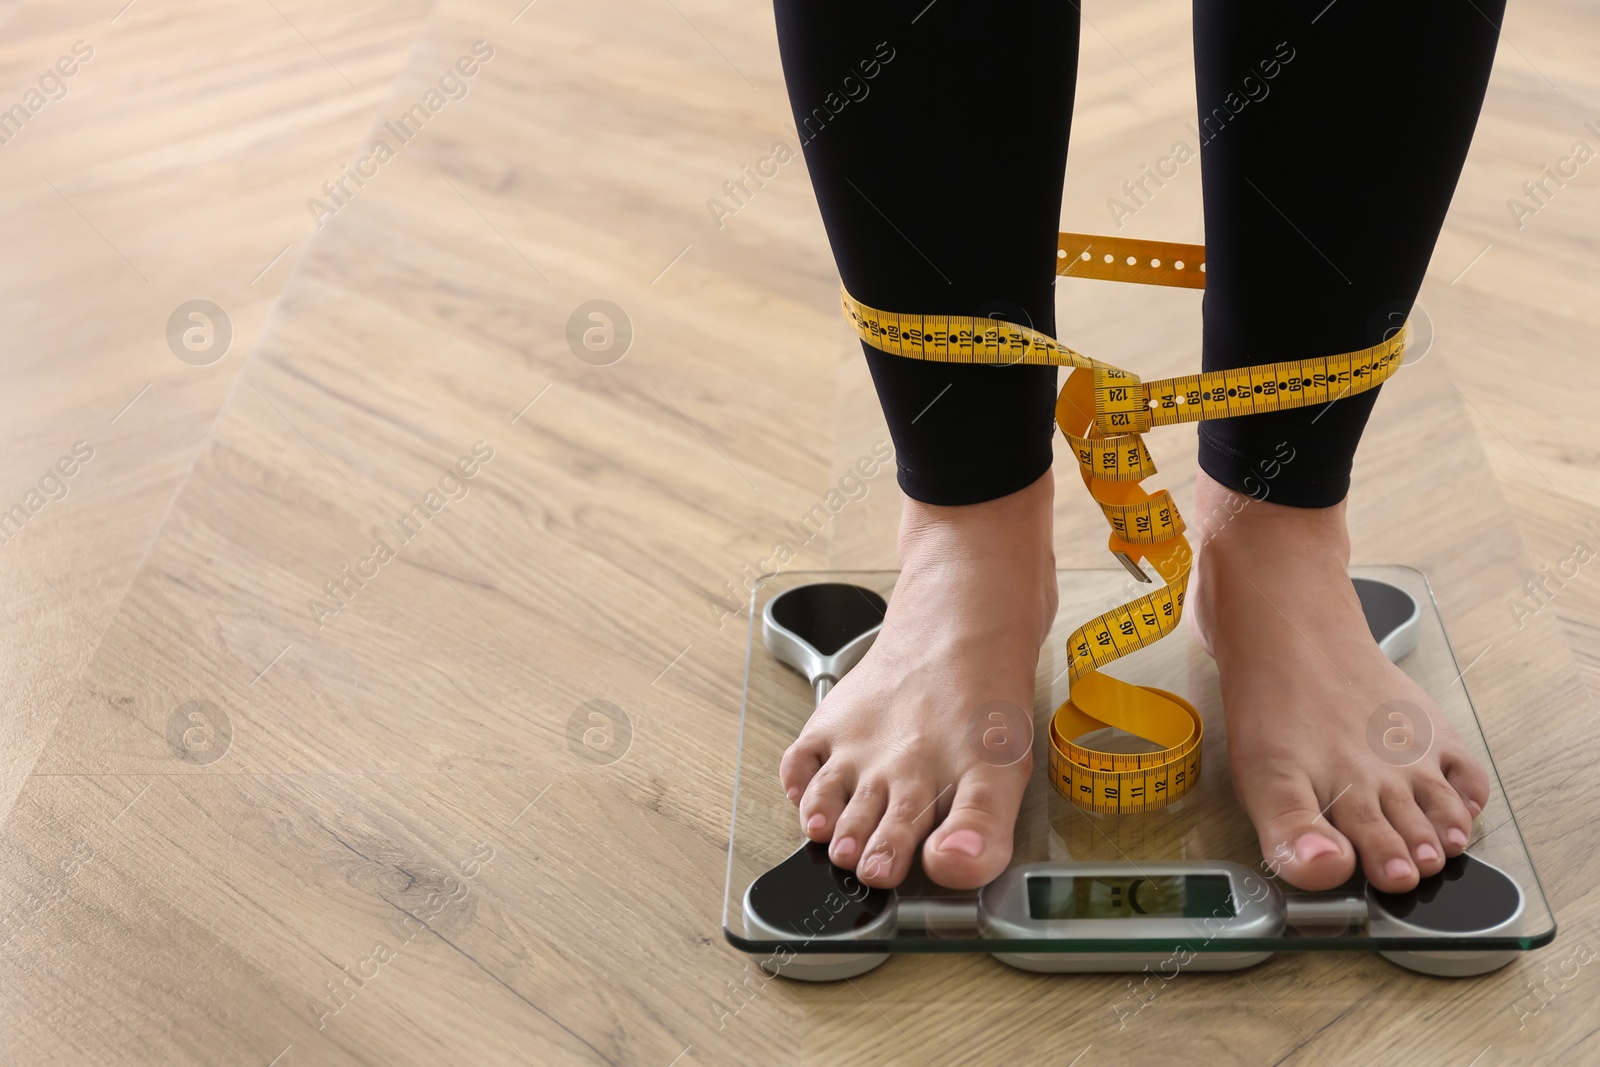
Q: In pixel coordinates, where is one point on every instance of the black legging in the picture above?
(1331, 136)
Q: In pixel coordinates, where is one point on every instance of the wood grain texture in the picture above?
(173, 164)
(384, 838)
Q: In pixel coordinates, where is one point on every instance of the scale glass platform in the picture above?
(1196, 862)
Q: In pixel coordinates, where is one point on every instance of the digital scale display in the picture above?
(1169, 896)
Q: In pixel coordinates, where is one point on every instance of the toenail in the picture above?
(1310, 846)
(794, 794)
(844, 846)
(1399, 869)
(1474, 807)
(816, 822)
(967, 841)
(1426, 853)
(1456, 837)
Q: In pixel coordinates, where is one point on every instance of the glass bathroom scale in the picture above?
(1184, 883)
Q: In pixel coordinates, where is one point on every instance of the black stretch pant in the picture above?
(1330, 138)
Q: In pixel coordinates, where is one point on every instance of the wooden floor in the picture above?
(240, 826)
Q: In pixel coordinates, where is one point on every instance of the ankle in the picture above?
(1237, 530)
(1263, 564)
(1018, 524)
(1004, 545)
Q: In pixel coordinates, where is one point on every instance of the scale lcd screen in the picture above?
(1102, 896)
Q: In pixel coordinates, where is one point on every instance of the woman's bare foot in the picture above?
(1302, 684)
(933, 727)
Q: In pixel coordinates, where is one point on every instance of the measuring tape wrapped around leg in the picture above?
(1103, 411)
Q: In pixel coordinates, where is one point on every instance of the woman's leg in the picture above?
(936, 138)
(1332, 138)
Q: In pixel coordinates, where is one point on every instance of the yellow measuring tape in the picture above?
(1103, 411)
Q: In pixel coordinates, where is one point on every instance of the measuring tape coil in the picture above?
(1103, 411)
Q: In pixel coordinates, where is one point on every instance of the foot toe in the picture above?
(886, 858)
(1469, 779)
(1413, 825)
(801, 761)
(973, 844)
(824, 800)
(1451, 819)
(857, 822)
(1297, 842)
(1385, 857)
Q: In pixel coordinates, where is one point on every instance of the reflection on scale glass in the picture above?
(824, 629)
